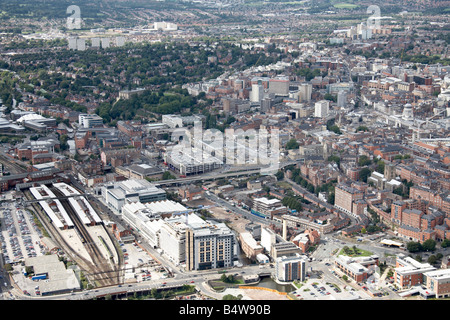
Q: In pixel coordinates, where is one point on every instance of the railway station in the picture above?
(81, 206)
(52, 207)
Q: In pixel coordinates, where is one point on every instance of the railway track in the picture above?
(10, 164)
(102, 271)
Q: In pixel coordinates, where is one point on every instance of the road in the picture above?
(195, 278)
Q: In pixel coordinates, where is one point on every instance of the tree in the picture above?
(335, 129)
(364, 173)
(362, 128)
(292, 144)
(364, 161)
(331, 198)
(445, 243)
(432, 259)
(413, 246)
(167, 176)
(429, 245)
(279, 175)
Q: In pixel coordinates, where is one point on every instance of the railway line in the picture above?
(101, 269)
(11, 164)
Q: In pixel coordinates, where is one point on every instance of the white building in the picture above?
(290, 268)
(321, 108)
(90, 120)
(116, 195)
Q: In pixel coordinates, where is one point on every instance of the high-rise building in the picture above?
(257, 92)
(342, 99)
(305, 92)
(321, 108)
(209, 245)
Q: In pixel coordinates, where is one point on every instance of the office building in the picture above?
(305, 92)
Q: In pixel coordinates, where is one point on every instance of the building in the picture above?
(289, 269)
(90, 120)
(438, 281)
(286, 249)
(250, 246)
(321, 108)
(190, 193)
(268, 207)
(117, 194)
(351, 268)
(191, 161)
(127, 94)
(279, 86)
(257, 93)
(209, 245)
(346, 196)
(51, 275)
(305, 92)
(148, 218)
(409, 272)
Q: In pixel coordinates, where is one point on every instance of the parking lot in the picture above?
(19, 236)
(141, 266)
(315, 289)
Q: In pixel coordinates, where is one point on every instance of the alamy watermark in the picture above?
(74, 22)
(253, 148)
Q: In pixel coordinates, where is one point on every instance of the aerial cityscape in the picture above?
(199, 150)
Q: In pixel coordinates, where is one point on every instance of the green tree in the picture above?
(432, 259)
(364, 173)
(279, 175)
(292, 144)
(364, 161)
(429, 245)
(413, 246)
(445, 243)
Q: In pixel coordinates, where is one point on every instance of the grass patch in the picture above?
(284, 184)
(345, 6)
(354, 252)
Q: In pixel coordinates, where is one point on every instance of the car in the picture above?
(192, 281)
